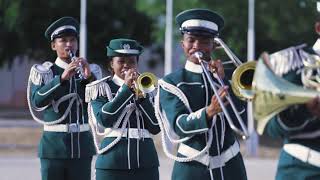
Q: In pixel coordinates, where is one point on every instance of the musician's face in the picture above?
(63, 44)
(191, 44)
(120, 65)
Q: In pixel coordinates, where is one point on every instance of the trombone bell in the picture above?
(241, 81)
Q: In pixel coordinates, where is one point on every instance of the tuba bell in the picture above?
(273, 94)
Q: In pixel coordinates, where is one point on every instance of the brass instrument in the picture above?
(273, 94)
(241, 81)
(244, 132)
(270, 94)
(146, 83)
(242, 76)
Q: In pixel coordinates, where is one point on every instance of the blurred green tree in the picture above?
(278, 24)
(23, 22)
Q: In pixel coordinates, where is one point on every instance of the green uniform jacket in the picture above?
(184, 124)
(136, 153)
(293, 125)
(61, 145)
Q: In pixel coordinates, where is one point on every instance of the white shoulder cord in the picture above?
(93, 124)
(55, 105)
(165, 128)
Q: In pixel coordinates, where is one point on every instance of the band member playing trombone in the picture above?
(188, 111)
(299, 125)
(56, 91)
(124, 117)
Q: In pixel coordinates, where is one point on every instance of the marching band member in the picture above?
(57, 91)
(127, 121)
(189, 113)
(298, 125)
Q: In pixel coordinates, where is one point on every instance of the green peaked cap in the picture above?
(200, 22)
(123, 47)
(61, 27)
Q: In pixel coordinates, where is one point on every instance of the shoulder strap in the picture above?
(286, 60)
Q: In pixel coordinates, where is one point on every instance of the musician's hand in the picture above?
(70, 70)
(86, 68)
(130, 76)
(216, 66)
(214, 107)
(314, 106)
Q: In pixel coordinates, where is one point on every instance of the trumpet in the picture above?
(79, 70)
(243, 132)
(146, 83)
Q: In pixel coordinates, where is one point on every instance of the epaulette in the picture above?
(309, 57)
(286, 60)
(96, 70)
(41, 73)
(98, 88)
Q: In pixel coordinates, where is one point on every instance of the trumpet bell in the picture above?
(241, 81)
(273, 94)
(147, 82)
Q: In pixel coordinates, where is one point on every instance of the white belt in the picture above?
(70, 128)
(211, 161)
(133, 133)
(303, 153)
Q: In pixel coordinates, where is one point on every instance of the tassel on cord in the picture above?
(98, 88)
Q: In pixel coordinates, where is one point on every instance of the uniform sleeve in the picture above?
(183, 123)
(290, 122)
(148, 115)
(42, 95)
(97, 105)
(107, 113)
(273, 128)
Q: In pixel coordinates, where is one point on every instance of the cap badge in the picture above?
(126, 46)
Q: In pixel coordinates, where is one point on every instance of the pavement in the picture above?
(20, 167)
(19, 138)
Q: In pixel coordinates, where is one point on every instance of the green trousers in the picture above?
(124, 174)
(66, 169)
(233, 170)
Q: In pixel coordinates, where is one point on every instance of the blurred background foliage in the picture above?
(278, 24)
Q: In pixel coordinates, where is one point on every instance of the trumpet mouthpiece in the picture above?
(198, 54)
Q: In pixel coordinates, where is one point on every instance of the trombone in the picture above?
(244, 132)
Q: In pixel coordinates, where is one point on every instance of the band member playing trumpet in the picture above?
(188, 111)
(125, 121)
(66, 146)
(298, 125)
